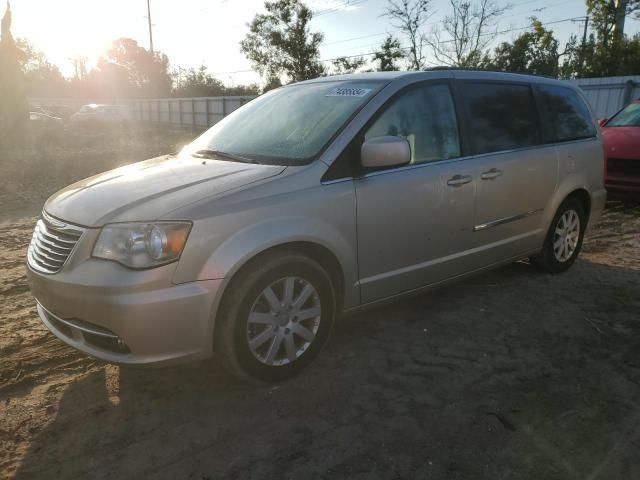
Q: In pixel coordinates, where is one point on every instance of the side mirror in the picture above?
(602, 122)
(385, 152)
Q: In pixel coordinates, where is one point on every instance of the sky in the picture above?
(208, 32)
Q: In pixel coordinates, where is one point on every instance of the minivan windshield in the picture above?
(628, 117)
(287, 126)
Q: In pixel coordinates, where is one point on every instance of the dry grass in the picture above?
(28, 176)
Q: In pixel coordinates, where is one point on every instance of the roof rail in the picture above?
(488, 70)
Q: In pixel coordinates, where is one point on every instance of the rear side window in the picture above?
(566, 114)
(426, 117)
(501, 116)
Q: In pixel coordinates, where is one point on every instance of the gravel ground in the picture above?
(510, 374)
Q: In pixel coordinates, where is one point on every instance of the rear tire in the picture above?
(275, 318)
(564, 238)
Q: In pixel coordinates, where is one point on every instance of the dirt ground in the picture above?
(511, 374)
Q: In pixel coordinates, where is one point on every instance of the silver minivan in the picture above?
(315, 199)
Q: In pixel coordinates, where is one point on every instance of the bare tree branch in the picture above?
(469, 29)
(409, 16)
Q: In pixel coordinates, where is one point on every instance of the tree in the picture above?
(279, 43)
(468, 29)
(608, 18)
(390, 51)
(14, 111)
(198, 82)
(409, 16)
(344, 65)
(194, 82)
(146, 72)
(606, 51)
(41, 77)
(534, 52)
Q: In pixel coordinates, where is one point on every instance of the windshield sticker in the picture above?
(348, 92)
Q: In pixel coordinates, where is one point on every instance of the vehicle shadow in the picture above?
(510, 374)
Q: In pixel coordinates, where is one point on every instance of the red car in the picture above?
(621, 135)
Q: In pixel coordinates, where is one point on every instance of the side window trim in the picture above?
(546, 121)
(449, 83)
(468, 116)
(358, 137)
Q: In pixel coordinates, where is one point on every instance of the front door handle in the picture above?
(491, 174)
(458, 180)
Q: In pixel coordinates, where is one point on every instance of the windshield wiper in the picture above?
(218, 154)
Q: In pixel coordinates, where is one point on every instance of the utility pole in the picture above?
(150, 30)
(621, 13)
(584, 33)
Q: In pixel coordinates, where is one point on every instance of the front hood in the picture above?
(621, 142)
(146, 190)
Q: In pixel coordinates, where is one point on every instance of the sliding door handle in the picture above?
(491, 174)
(458, 180)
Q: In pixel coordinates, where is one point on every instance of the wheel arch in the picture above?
(322, 255)
(583, 196)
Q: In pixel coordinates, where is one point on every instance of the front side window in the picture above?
(426, 117)
(501, 116)
(628, 117)
(565, 112)
(290, 125)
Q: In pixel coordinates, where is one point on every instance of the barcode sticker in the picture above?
(348, 92)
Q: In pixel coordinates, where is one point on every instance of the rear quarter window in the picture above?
(566, 115)
(502, 116)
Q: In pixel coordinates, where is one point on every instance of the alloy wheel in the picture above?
(283, 321)
(566, 235)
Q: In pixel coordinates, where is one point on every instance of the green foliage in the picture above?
(343, 65)
(198, 82)
(607, 51)
(194, 82)
(41, 78)
(534, 52)
(592, 59)
(134, 70)
(279, 43)
(388, 54)
(607, 18)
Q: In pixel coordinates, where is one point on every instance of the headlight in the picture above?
(142, 245)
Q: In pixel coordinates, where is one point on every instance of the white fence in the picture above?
(607, 95)
(197, 112)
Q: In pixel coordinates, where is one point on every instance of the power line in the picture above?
(366, 54)
(450, 41)
(550, 5)
(346, 3)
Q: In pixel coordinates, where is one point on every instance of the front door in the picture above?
(415, 221)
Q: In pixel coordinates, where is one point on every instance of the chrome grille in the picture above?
(51, 244)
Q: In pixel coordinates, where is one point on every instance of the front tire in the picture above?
(276, 317)
(564, 238)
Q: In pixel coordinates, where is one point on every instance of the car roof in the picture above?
(437, 72)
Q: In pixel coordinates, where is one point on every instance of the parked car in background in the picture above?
(100, 115)
(41, 123)
(621, 137)
(317, 198)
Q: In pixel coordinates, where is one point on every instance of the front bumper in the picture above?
(128, 317)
